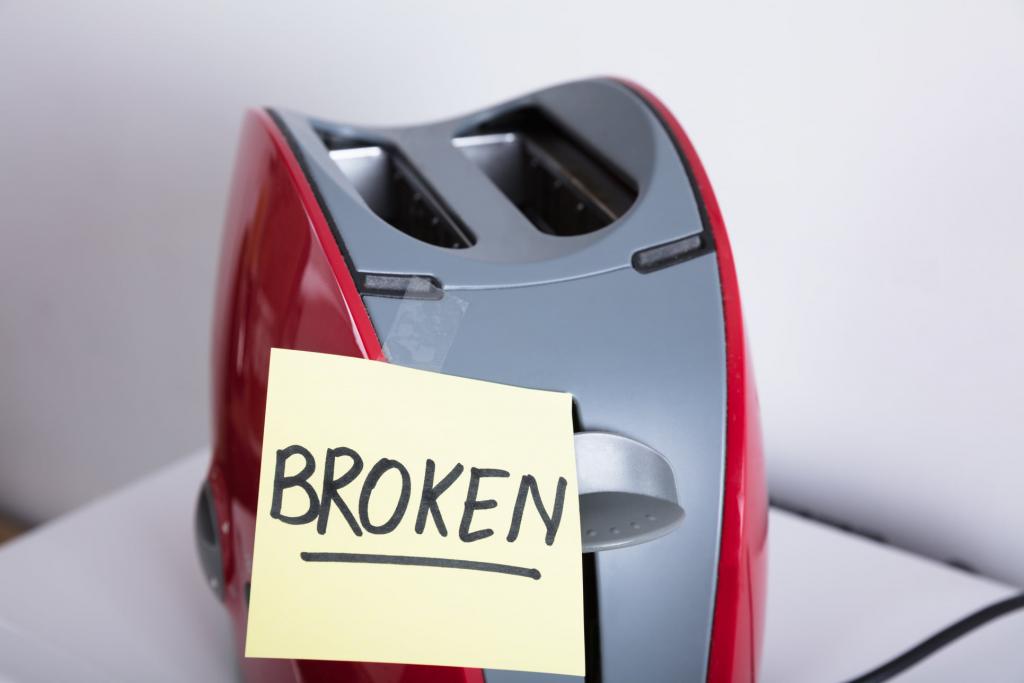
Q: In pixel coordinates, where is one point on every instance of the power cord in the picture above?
(940, 640)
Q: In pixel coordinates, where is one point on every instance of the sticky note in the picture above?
(414, 517)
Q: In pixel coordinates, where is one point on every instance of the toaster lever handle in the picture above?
(627, 492)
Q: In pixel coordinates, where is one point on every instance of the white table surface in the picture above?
(113, 592)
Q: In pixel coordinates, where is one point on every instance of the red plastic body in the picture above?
(736, 634)
(284, 283)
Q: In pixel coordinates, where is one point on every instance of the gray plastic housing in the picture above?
(635, 337)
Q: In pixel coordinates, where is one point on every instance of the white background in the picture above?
(869, 159)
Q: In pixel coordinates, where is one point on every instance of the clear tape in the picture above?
(423, 331)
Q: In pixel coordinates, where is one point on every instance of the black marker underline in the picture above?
(422, 562)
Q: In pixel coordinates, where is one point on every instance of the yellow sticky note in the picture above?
(414, 517)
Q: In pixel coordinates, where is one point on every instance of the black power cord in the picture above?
(940, 640)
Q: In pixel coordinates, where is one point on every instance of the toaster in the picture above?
(565, 240)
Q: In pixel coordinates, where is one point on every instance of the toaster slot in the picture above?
(398, 195)
(559, 185)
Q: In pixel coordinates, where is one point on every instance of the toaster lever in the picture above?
(627, 492)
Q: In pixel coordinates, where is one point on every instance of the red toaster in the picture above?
(567, 240)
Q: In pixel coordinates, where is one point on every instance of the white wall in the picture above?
(868, 159)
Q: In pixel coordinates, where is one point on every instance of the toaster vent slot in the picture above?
(398, 195)
(559, 185)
